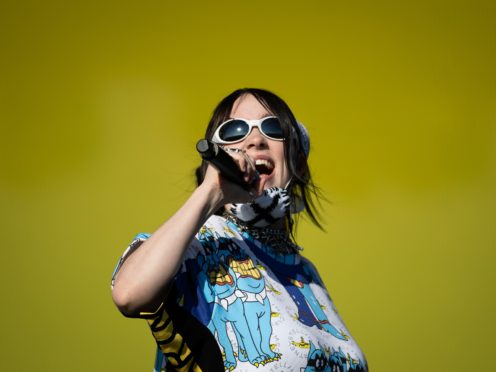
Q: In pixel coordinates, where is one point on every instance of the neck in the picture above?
(275, 237)
(280, 224)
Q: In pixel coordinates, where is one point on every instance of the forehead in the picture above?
(248, 107)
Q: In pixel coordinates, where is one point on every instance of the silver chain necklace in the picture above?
(277, 239)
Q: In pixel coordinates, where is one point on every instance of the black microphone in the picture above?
(216, 156)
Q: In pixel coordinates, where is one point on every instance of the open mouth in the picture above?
(220, 276)
(264, 166)
(245, 268)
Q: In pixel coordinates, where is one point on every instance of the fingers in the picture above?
(233, 193)
(245, 164)
(229, 192)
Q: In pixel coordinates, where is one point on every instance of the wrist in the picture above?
(212, 196)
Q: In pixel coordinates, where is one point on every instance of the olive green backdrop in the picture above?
(102, 103)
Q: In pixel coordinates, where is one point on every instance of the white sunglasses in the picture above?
(236, 130)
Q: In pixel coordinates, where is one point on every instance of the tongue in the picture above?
(262, 169)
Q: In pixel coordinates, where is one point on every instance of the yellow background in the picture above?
(102, 103)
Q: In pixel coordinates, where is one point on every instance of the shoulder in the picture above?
(306, 262)
(311, 270)
(215, 227)
(215, 221)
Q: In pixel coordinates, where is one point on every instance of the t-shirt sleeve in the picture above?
(137, 241)
(186, 274)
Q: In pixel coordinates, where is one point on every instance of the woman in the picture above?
(221, 283)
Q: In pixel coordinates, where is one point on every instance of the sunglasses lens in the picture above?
(233, 130)
(272, 128)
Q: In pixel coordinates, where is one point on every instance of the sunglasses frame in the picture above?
(257, 123)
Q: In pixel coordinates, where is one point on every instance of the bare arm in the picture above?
(144, 277)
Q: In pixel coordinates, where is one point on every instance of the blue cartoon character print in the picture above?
(251, 284)
(317, 360)
(297, 285)
(325, 360)
(340, 362)
(231, 282)
(310, 311)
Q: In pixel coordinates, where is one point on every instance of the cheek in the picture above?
(279, 151)
(285, 170)
(284, 166)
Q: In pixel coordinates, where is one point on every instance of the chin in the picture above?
(268, 185)
(271, 181)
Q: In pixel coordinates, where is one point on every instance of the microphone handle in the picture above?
(216, 156)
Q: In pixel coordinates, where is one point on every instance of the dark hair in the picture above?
(301, 188)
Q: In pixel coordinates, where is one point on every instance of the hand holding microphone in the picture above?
(226, 165)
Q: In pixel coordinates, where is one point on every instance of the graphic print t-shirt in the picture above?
(235, 305)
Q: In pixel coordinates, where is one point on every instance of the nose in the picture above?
(255, 140)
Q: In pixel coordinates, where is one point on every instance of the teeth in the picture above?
(264, 162)
(245, 268)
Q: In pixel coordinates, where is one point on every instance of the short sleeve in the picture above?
(137, 241)
(185, 281)
(185, 267)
